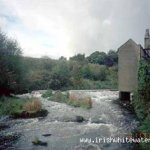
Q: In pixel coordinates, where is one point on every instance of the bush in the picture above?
(60, 75)
(59, 97)
(48, 93)
(84, 102)
(34, 105)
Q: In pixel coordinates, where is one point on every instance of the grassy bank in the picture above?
(10, 105)
(58, 96)
(13, 105)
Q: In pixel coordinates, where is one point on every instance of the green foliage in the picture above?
(48, 93)
(97, 58)
(24, 74)
(8, 47)
(69, 75)
(58, 96)
(10, 105)
(109, 59)
(144, 81)
(142, 99)
(76, 75)
(142, 96)
(11, 72)
(112, 76)
(139, 106)
(15, 107)
(60, 75)
(145, 128)
(81, 102)
(94, 72)
(78, 57)
(144, 146)
(112, 58)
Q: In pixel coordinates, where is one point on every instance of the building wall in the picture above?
(129, 56)
(147, 39)
(147, 43)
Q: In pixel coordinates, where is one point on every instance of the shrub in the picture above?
(84, 102)
(33, 105)
(48, 93)
(58, 96)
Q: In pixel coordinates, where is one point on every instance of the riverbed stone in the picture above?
(46, 135)
(79, 119)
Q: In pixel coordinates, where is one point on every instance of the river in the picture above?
(104, 120)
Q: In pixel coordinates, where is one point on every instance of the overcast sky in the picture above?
(57, 28)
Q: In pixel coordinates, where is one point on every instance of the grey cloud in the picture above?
(90, 24)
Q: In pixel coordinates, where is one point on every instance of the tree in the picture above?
(97, 58)
(78, 57)
(112, 58)
(94, 72)
(60, 75)
(76, 75)
(62, 58)
(10, 65)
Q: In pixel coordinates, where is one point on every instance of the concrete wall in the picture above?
(129, 56)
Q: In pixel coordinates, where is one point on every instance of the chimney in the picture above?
(147, 39)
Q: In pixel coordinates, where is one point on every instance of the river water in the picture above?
(104, 120)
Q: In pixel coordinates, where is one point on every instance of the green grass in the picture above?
(10, 105)
(83, 103)
(13, 105)
(58, 96)
(48, 93)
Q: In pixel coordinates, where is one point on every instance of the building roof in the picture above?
(130, 41)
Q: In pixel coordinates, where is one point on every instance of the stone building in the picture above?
(129, 55)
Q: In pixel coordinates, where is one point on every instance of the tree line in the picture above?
(20, 74)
